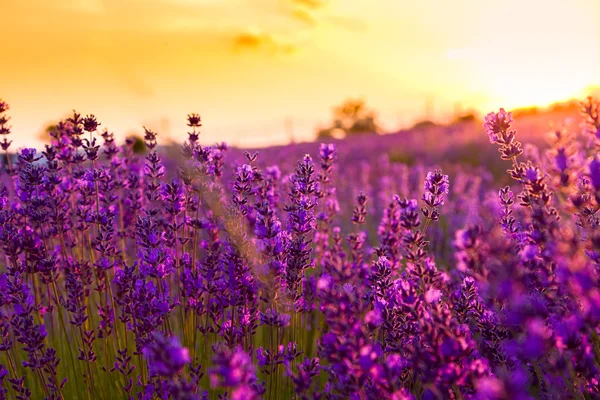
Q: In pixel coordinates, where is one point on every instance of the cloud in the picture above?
(259, 41)
(313, 13)
(312, 4)
(94, 7)
(347, 23)
(191, 3)
(91, 6)
(137, 85)
(304, 16)
(465, 53)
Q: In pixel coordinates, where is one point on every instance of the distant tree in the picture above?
(323, 133)
(465, 119)
(525, 111)
(565, 106)
(331, 133)
(51, 130)
(350, 118)
(426, 124)
(137, 143)
(44, 135)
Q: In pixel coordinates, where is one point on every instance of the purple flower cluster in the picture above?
(212, 273)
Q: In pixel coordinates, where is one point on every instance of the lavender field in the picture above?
(378, 267)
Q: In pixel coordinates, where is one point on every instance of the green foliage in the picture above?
(139, 147)
(44, 136)
(401, 157)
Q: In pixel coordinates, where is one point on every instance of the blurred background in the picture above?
(269, 72)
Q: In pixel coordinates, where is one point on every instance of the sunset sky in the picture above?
(248, 65)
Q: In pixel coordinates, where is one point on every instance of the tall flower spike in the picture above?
(594, 171)
(4, 128)
(150, 138)
(90, 124)
(591, 109)
(233, 369)
(4, 132)
(437, 185)
(166, 357)
(499, 127)
(194, 120)
(360, 211)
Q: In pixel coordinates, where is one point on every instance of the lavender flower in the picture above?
(166, 357)
(216, 273)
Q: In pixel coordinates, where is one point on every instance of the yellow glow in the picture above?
(247, 67)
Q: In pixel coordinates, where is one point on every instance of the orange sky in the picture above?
(247, 65)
